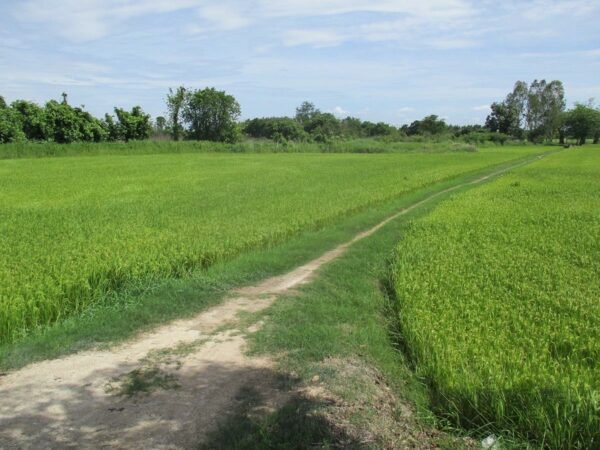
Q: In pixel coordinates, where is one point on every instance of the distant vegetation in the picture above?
(533, 112)
(537, 112)
(497, 293)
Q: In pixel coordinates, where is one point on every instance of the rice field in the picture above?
(498, 295)
(75, 229)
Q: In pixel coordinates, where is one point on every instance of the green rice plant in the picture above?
(75, 229)
(498, 295)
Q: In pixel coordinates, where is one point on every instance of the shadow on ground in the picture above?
(297, 424)
(220, 406)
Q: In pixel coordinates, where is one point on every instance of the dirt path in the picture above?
(192, 371)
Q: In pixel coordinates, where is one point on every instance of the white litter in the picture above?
(490, 443)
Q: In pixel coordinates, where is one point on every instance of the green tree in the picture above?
(211, 115)
(176, 100)
(10, 126)
(91, 129)
(134, 125)
(503, 118)
(32, 118)
(110, 127)
(429, 125)
(275, 127)
(582, 122)
(305, 113)
(160, 125)
(545, 104)
(62, 123)
(517, 101)
(352, 127)
(323, 126)
(2, 102)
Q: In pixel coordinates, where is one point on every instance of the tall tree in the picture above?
(553, 104)
(545, 104)
(582, 122)
(306, 112)
(503, 118)
(212, 115)
(517, 101)
(2, 102)
(160, 126)
(176, 100)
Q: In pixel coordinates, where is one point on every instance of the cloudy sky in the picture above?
(391, 60)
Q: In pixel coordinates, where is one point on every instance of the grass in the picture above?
(75, 232)
(363, 145)
(142, 380)
(139, 307)
(497, 295)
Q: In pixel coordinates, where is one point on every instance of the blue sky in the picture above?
(390, 60)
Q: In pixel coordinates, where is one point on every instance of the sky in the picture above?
(380, 60)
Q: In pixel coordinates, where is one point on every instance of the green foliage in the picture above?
(323, 127)
(498, 293)
(175, 104)
(65, 124)
(352, 127)
(430, 125)
(312, 124)
(582, 122)
(160, 126)
(534, 111)
(62, 123)
(10, 126)
(503, 119)
(2, 103)
(32, 119)
(129, 218)
(306, 112)
(211, 115)
(275, 127)
(134, 125)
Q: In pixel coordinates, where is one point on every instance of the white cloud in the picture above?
(481, 108)
(83, 20)
(539, 10)
(312, 8)
(315, 38)
(340, 112)
(452, 43)
(224, 16)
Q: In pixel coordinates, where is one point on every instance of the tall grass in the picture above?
(74, 229)
(365, 145)
(498, 293)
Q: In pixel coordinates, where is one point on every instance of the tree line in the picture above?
(535, 112)
(62, 123)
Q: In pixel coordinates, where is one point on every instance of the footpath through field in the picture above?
(191, 370)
